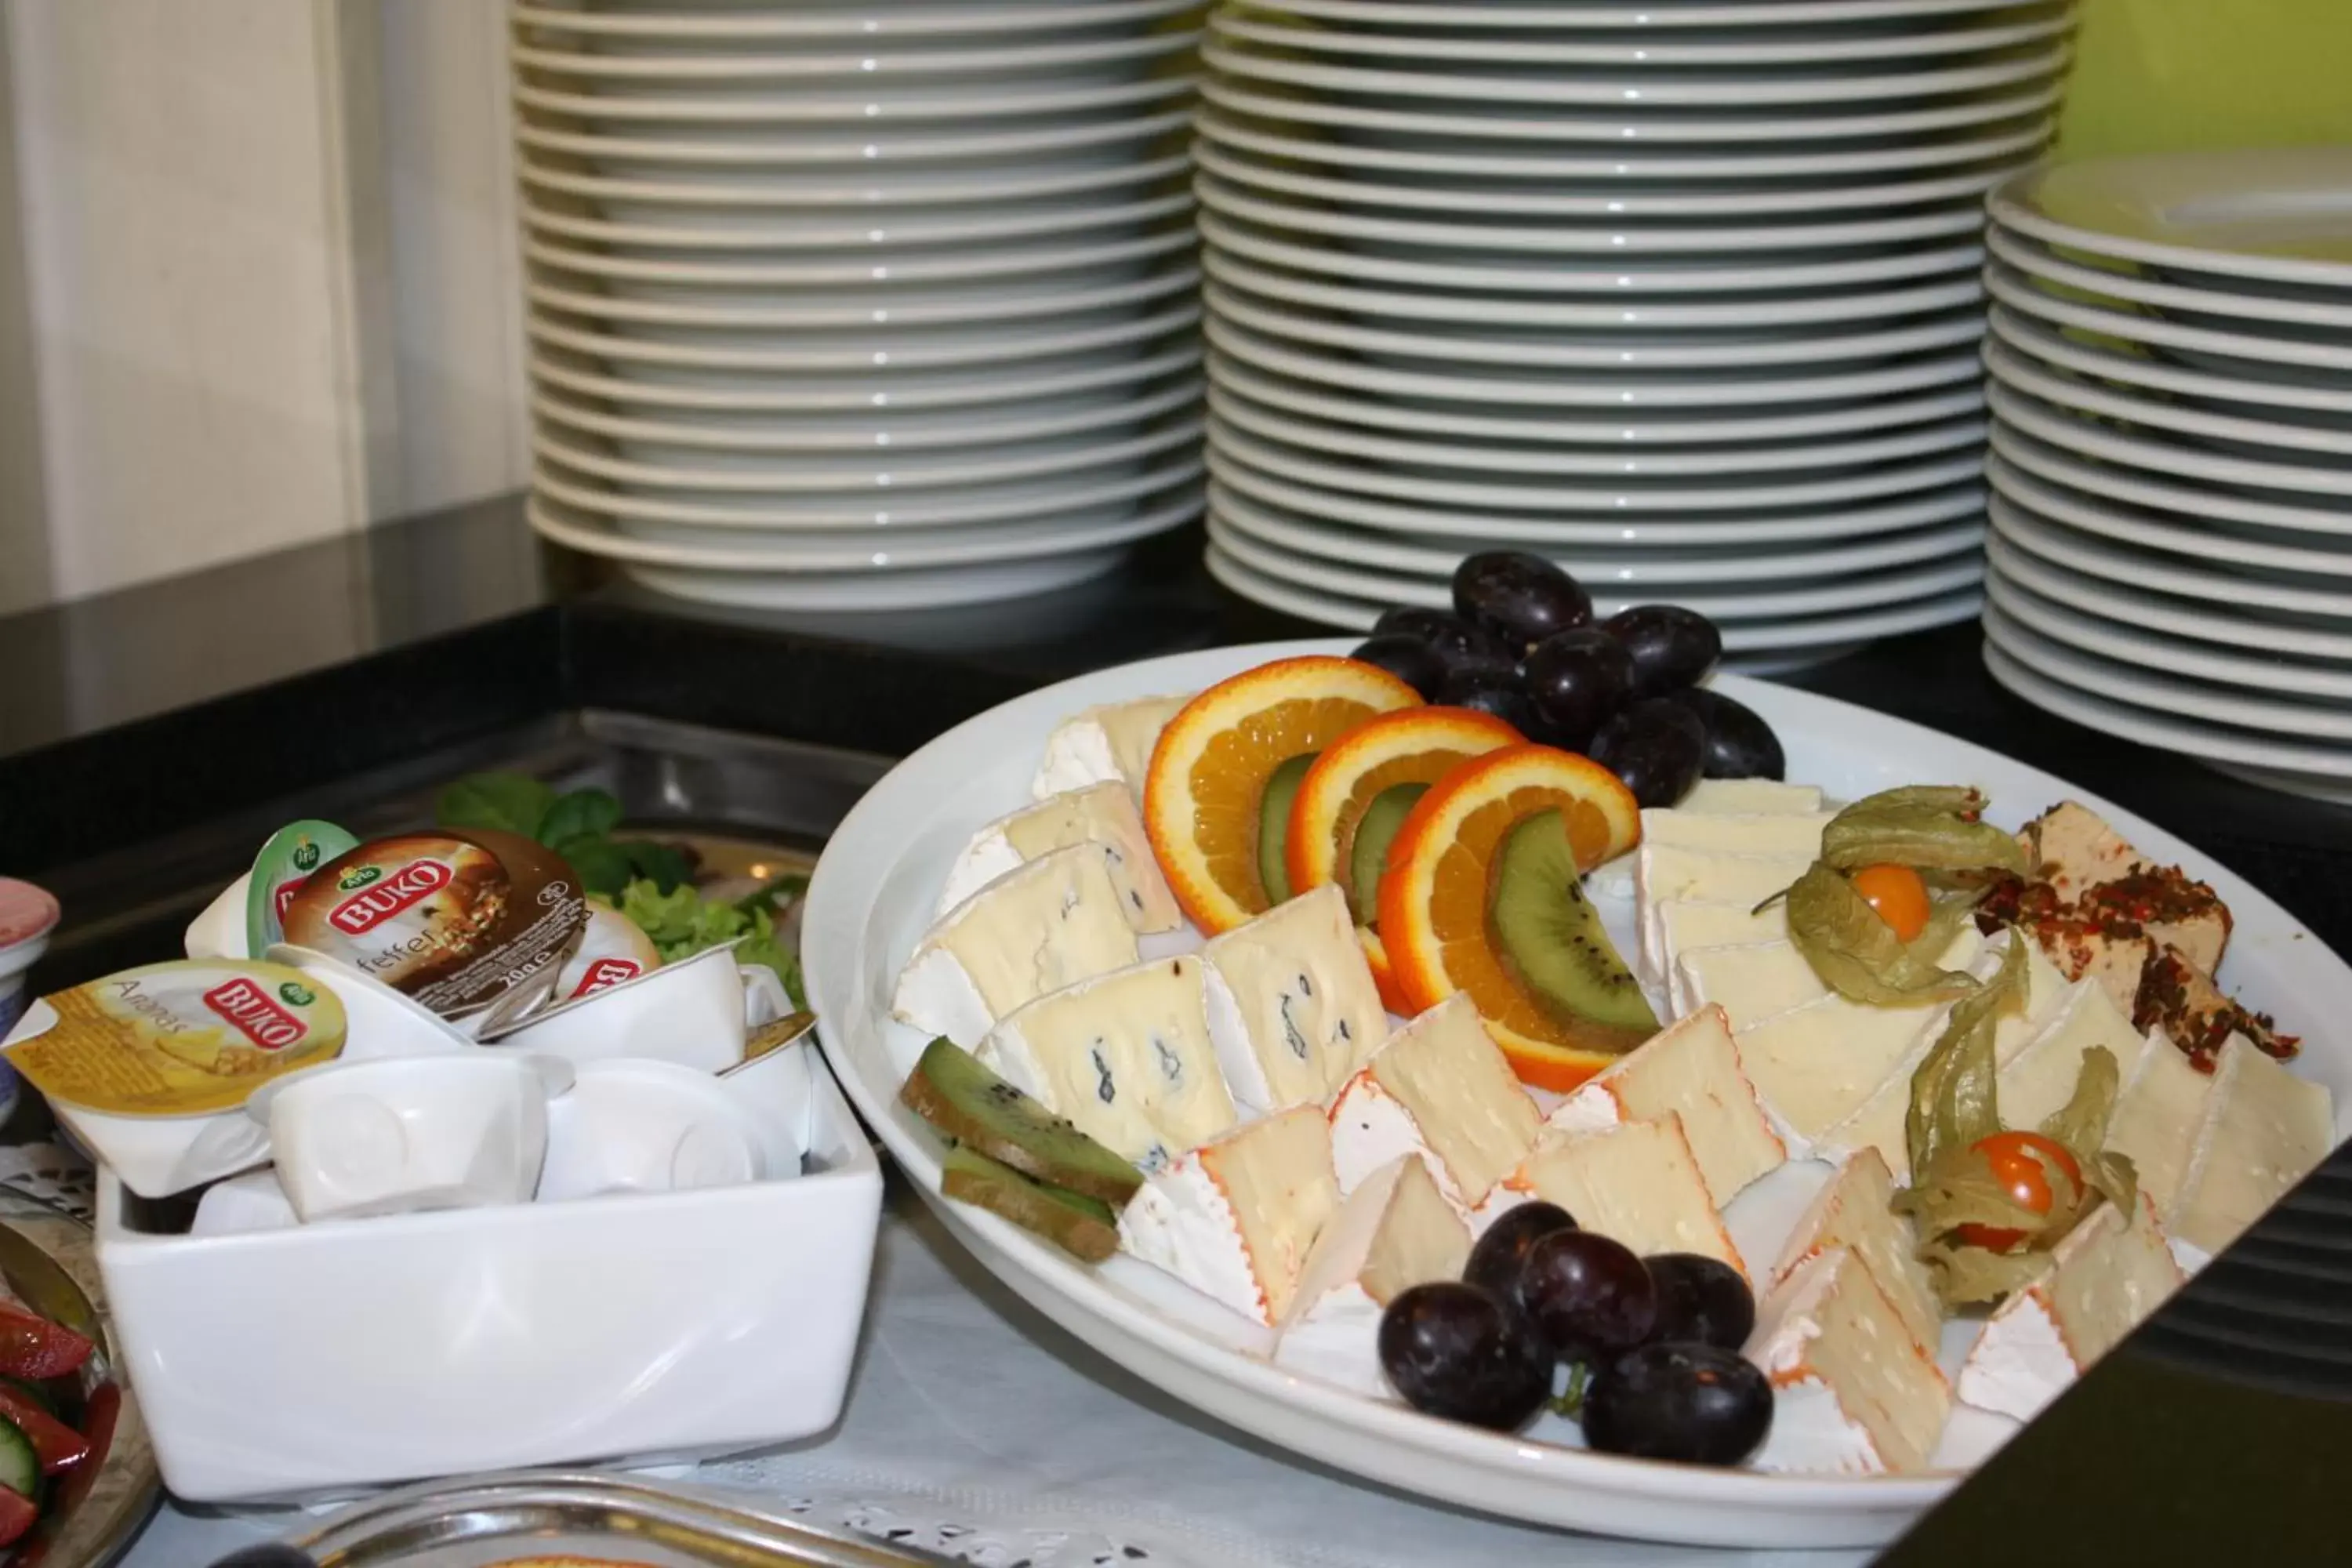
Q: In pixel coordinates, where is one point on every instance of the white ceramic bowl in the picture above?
(635, 1126)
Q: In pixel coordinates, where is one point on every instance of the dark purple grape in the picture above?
(1453, 1350)
(1701, 1300)
(1489, 688)
(1694, 1403)
(1657, 747)
(1410, 660)
(1519, 597)
(1672, 647)
(1577, 680)
(1739, 745)
(1493, 1264)
(1455, 640)
(1587, 1296)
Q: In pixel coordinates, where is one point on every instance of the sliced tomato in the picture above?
(18, 1514)
(34, 1348)
(56, 1445)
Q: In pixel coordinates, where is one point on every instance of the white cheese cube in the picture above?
(1740, 833)
(1636, 1182)
(2158, 1116)
(1748, 796)
(2264, 1130)
(1684, 924)
(1293, 1009)
(1853, 1212)
(1751, 981)
(2041, 1080)
(1442, 1087)
(2103, 1278)
(1396, 1231)
(1125, 1055)
(1236, 1219)
(1107, 745)
(1103, 813)
(1053, 922)
(1852, 1392)
(1691, 1070)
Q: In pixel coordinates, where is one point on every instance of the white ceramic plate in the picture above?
(687, 228)
(835, 64)
(919, 350)
(2064, 390)
(2127, 281)
(1633, 279)
(2199, 538)
(2282, 212)
(951, 266)
(815, 199)
(881, 21)
(873, 895)
(2124, 484)
(1964, 498)
(922, 151)
(908, 105)
(675, 304)
(2321, 406)
(1731, 560)
(879, 593)
(1652, 16)
(2076, 433)
(2250, 352)
(1550, 459)
(2215, 586)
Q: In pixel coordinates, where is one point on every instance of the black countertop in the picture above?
(129, 720)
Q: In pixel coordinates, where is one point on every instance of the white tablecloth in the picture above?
(976, 1427)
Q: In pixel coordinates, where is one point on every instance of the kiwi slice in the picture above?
(953, 1091)
(1083, 1226)
(1368, 856)
(1551, 940)
(1274, 826)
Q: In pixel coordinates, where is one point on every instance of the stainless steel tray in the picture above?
(490, 1519)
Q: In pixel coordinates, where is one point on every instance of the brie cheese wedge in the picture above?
(1103, 813)
(1684, 924)
(2104, 1277)
(1236, 1218)
(1053, 922)
(1442, 1087)
(1751, 796)
(1736, 833)
(1691, 1070)
(2264, 1130)
(1749, 981)
(1293, 1009)
(1125, 1055)
(1852, 1392)
(1396, 1231)
(1853, 1212)
(2157, 1118)
(1637, 1183)
(1664, 873)
(1111, 744)
(2040, 1078)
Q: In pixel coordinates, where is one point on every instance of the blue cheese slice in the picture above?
(1102, 815)
(1236, 1219)
(2158, 1116)
(1125, 1055)
(1109, 744)
(1053, 922)
(1690, 1071)
(1443, 1089)
(1396, 1231)
(1293, 1009)
(1749, 981)
(1741, 797)
(2264, 1130)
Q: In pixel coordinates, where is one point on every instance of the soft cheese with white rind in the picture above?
(1664, 873)
(2040, 1078)
(1751, 981)
(2103, 1278)
(1740, 833)
(1443, 1089)
(2157, 1118)
(1125, 1055)
(1236, 1217)
(1852, 1392)
(1637, 1183)
(1111, 744)
(1103, 813)
(2264, 1130)
(1854, 1212)
(1690, 1069)
(1293, 1007)
(1686, 924)
(1741, 797)
(1053, 922)
(1395, 1231)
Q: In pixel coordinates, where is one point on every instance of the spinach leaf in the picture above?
(581, 814)
(503, 803)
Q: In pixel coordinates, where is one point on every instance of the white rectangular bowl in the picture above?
(297, 1364)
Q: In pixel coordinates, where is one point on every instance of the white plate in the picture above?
(651, 263)
(2215, 586)
(885, 65)
(1484, 195)
(2161, 654)
(2127, 281)
(2323, 403)
(2123, 484)
(1626, 127)
(2065, 390)
(907, 106)
(1664, 389)
(815, 198)
(921, 150)
(1649, 16)
(1631, 278)
(2251, 352)
(1535, 83)
(2279, 213)
(1731, 560)
(1859, 592)
(879, 22)
(879, 593)
(2076, 433)
(687, 228)
(1550, 458)
(873, 895)
(1613, 499)
(685, 305)
(1491, 242)
(2201, 537)
(1426, 417)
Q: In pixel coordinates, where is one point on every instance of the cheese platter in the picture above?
(993, 893)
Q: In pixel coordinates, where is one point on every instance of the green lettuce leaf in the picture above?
(503, 803)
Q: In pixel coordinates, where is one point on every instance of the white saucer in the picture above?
(893, 148)
(2065, 390)
(1013, 100)
(919, 350)
(882, 21)
(883, 191)
(2247, 352)
(930, 590)
(2136, 568)
(949, 266)
(1662, 16)
(2200, 538)
(725, 311)
(2128, 282)
(883, 62)
(705, 227)
(2321, 406)
(2099, 479)
(2057, 426)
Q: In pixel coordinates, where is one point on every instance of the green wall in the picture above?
(2161, 74)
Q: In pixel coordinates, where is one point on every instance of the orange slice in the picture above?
(1412, 746)
(1206, 785)
(1435, 898)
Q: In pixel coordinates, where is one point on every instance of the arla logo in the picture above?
(255, 1015)
(604, 973)
(379, 901)
(306, 855)
(359, 876)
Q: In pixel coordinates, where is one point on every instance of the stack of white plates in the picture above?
(2171, 385)
(847, 304)
(1682, 294)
